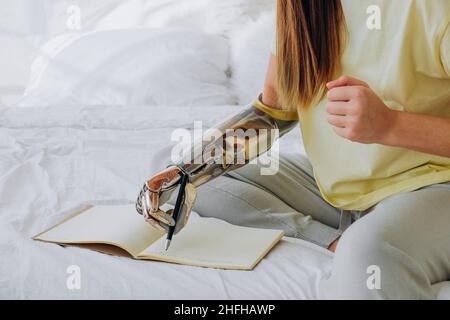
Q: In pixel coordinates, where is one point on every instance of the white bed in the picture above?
(53, 161)
(87, 130)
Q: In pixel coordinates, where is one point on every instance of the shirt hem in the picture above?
(369, 200)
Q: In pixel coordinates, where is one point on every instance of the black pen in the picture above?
(177, 209)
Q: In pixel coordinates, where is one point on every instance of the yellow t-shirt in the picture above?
(407, 63)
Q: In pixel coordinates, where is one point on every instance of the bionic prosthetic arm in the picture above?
(228, 146)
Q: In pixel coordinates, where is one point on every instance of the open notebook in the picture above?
(204, 242)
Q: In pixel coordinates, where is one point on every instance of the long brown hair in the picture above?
(309, 46)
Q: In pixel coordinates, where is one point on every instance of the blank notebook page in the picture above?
(118, 225)
(216, 243)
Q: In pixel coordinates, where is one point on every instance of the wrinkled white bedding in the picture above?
(53, 160)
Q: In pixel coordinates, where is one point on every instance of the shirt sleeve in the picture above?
(445, 50)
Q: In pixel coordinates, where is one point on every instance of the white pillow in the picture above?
(250, 52)
(134, 66)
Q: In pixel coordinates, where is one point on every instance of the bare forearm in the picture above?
(419, 132)
(270, 95)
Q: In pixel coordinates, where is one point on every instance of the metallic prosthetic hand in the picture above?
(228, 146)
(156, 192)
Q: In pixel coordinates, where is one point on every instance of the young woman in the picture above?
(370, 86)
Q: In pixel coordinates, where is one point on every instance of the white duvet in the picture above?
(56, 159)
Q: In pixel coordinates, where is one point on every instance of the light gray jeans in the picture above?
(404, 241)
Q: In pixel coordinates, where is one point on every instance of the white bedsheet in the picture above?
(53, 160)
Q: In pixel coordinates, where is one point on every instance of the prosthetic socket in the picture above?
(230, 145)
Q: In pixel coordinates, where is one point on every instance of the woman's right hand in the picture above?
(157, 192)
